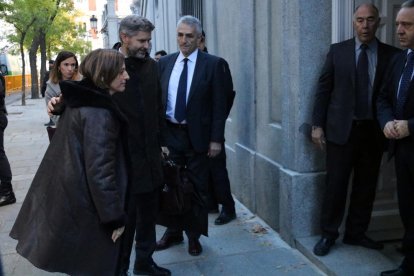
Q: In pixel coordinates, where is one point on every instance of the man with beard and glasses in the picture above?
(141, 104)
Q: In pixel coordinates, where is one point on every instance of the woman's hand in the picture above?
(117, 233)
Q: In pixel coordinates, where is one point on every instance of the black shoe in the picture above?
(323, 246)
(364, 242)
(168, 240)
(395, 272)
(194, 247)
(225, 217)
(51, 123)
(124, 273)
(151, 269)
(7, 198)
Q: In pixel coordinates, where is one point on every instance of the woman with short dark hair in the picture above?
(74, 212)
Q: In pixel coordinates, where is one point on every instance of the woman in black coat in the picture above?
(74, 212)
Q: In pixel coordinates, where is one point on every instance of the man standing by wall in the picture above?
(396, 117)
(219, 184)
(344, 122)
(193, 88)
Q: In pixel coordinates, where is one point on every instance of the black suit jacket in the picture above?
(387, 98)
(207, 100)
(335, 97)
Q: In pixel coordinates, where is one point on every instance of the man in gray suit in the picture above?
(344, 122)
(194, 95)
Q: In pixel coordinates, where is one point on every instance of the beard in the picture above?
(138, 53)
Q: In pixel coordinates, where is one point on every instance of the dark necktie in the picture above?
(362, 84)
(405, 83)
(180, 103)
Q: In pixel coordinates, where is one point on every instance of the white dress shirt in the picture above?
(174, 80)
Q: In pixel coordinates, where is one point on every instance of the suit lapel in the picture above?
(168, 70)
(197, 76)
(381, 59)
(349, 59)
(398, 73)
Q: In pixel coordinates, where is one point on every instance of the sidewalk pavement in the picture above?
(246, 246)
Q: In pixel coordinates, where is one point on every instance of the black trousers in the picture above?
(361, 154)
(142, 214)
(404, 166)
(219, 183)
(197, 164)
(5, 171)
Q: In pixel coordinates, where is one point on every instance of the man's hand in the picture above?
(401, 127)
(164, 152)
(318, 137)
(214, 149)
(51, 104)
(389, 130)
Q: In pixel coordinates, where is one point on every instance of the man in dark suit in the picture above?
(396, 116)
(219, 191)
(344, 122)
(194, 96)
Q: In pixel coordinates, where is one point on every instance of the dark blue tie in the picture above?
(180, 103)
(362, 84)
(405, 83)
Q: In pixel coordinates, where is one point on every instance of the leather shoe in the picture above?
(151, 269)
(395, 272)
(124, 272)
(194, 247)
(7, 198)
(224, 217)
(323, 246)
(364, 242)
(168, 240)
(50, 123)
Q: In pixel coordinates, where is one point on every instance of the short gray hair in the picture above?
(132, 24)
(191, 21)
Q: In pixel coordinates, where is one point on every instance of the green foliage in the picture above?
(55, 18)
(66, 34)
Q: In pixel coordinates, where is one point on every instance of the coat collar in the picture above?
(85, 94)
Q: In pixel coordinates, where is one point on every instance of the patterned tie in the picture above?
(362, 84)
(180, 103)
(405, 83)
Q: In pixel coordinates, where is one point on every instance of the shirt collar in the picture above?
(373, 45)
(192, 57)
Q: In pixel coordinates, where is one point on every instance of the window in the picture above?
(192, 7)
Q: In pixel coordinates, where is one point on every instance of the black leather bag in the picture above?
(177, 191)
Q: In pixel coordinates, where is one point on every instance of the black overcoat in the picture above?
(77, 197)
(141, 104)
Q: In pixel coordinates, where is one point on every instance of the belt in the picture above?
(174, 125)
